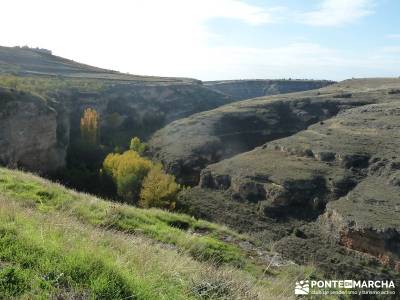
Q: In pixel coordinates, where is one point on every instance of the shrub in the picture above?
(159, 189)
(127, 171)
(13, 282)
(137, 145)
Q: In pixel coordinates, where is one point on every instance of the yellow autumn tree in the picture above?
(137, 145)
(159, 189)
(90, 126)
(139, 179)
(127, 171)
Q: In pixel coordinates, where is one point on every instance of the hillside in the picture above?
(315, 172)
(31, 61)
(57, 243)
(241, 126)
(247, 88)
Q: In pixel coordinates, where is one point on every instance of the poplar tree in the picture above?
(90, 126)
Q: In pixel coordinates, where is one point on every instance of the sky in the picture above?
(214, 39)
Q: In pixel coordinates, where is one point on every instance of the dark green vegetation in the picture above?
(328, 193)
(58, 243)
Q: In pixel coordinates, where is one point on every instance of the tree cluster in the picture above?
(139, 180)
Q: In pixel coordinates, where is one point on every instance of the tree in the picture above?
(127, 171)
(137, 145)
(137, 178)
(90, 126)
(159, 189)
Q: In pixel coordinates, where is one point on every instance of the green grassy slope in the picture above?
(55, 242)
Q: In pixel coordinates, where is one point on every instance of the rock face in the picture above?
(142, 108)
(133, 109)
(367, 220)
(30, 132)
(316, 165)
(336, 181)
(186, 146)
(246, 89)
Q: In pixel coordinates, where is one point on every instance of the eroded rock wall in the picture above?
(331, 190)
(36, 132)
(28, 133)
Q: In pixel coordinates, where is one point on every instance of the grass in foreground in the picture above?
(59, 243)
(199, 238)
(45, 256)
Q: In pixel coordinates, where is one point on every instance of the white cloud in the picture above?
(338, 12)
(393, 36)
(391, 49)
(233, 9)
(172, 38)
(140, 36)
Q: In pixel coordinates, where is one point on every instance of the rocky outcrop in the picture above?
(246, 89)
(328, 157)
(142, 108)
(30, 132)
(335, 182)
(367, 220)
(187, 146)
(139, 109)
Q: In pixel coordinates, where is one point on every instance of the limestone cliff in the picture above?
(29, 132)
(328, 190)
(238, 127)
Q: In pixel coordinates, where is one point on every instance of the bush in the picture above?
(13, 282)
(137, 178)
(127, 171)
(159, 189)
(137, 145)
